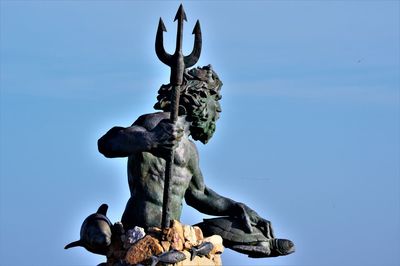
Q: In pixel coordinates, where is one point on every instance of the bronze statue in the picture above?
(148, 142)
(163, 161)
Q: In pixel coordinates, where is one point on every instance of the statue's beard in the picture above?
(203, 132)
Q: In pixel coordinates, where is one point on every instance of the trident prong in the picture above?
(194, 56)
(177, 62)
(160, 51)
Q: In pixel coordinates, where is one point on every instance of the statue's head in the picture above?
(199, 101)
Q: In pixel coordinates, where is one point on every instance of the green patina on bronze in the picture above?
(199, 101)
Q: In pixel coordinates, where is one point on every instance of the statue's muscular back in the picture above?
(146, 172)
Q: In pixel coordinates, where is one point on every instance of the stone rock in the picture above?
(155, 232)
(190, 236)
(166, 245)
(198, 233)
(179, 237)
(187, 245)
(143, 250)
(135, 234)
(217, 260)
(216, 240)
(176, 242)
(178, 228)
(174, 235)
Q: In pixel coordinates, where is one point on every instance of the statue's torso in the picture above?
(146, 173)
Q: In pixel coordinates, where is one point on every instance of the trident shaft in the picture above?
(177, 62)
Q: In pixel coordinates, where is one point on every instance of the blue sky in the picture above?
(308, 136)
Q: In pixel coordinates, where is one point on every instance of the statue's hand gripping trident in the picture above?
(177, 63)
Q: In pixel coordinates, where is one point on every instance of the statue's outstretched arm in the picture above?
(122, 142)
(207, 201)
(151, 133)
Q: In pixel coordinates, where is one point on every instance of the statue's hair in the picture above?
(199, 86)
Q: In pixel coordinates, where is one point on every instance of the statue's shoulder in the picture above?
(149, 121)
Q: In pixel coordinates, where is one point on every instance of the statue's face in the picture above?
(199, 99)
(211, 112)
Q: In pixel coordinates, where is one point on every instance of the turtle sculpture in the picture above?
(255, 244)
(95, 233)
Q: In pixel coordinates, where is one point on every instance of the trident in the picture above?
(177, 62)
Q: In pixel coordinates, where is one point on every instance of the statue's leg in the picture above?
(128, 217)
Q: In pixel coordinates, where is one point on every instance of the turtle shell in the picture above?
(232, 231)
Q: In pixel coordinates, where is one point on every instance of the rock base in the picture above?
(177, 237)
